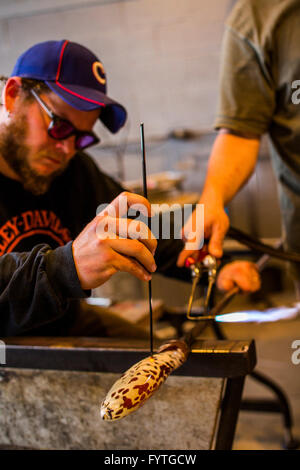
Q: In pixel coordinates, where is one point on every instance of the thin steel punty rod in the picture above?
(146, 196)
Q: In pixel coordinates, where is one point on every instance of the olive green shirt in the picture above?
(260, 88)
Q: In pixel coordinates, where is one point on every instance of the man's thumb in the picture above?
(215, 246)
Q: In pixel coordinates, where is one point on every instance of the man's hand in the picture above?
(243, 274)
(216, 224)
(231, 163)
(112, 243)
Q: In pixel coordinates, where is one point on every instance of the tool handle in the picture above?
(191, 261)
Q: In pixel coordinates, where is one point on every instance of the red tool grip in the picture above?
(190, 261)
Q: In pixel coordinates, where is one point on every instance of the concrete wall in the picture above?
(161, 57)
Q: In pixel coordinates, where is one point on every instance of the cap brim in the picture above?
(113, 114)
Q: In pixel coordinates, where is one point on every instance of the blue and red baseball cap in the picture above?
(75, 74)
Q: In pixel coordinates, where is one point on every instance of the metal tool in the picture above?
(206, 263)
(210, 263)
(146, 196)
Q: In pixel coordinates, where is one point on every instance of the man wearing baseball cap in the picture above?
(50, 249)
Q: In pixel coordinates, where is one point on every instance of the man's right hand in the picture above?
(231, 163)
(216, 224)
(112, 243)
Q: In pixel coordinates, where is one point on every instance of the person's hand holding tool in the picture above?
(112, 243)
(232, 161)
(216, 224)
(243, 274)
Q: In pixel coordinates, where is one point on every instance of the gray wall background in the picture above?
(161, 56)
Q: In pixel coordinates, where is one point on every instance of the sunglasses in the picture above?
(60, 129)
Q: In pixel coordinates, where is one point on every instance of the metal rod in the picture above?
(201, 325)
(146, 196)
(191, 299)
(144, 161)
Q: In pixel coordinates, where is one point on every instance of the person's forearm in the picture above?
(231, 163)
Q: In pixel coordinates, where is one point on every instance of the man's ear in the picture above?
(11, 93)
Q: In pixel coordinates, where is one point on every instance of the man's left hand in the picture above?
(243, 274)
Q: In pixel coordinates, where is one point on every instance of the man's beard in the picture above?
(15, 153)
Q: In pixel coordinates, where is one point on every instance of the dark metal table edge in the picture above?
(208, 358)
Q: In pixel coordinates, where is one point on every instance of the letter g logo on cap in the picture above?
(98, 67)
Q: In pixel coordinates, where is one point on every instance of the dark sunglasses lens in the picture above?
(85, 140)
(61, 129)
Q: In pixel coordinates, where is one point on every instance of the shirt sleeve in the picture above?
(247, 95)
(36, 287)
